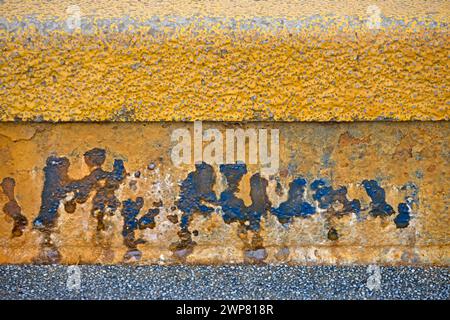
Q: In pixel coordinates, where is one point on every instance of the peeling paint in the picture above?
(363, 209)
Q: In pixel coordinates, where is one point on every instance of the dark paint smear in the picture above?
(148, 220)
(279, 189)
(260, 201)
(12, 208)
(403, 217)
(233, 207)
(130, 211)
(105, 199)
(57, 185)
(185, 246)
(332, 234)
(327, 197)
(196, 189)
(295, 205)
(131, 222)
(249, 217)
(192, 196)
(196, 196)
(379, 207)
(172, 218)
(404, 209)
(55, 179)
(94, 159)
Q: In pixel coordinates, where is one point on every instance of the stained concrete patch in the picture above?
(344, 194)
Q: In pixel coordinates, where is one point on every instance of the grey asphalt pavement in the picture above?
(223, 282)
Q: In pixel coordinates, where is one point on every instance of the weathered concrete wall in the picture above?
(388, 202)
(358, 182)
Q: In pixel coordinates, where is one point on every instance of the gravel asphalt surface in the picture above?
(223, 282)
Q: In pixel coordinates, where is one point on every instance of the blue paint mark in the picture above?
(148, 220)
(130, 211)
(57, 185)
(260, 201)
(327, 196)
(105, 199)
(404, 209)
(118, 173)
(233, 207)
(55, 177)
(403, 217)
(379, 207)
(295, 205)
(197, 196)
(196, 189)
(320, 186)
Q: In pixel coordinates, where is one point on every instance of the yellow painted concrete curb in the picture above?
(222, 61)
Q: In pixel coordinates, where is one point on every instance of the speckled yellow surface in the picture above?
(326, 70)
(228, 8)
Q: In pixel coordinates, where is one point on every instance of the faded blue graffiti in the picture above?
(379, 207)
(295, 205)
(197, 196)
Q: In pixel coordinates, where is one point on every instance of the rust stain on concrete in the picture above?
(109, 193)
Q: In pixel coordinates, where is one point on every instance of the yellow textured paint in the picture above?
(226, 8)
(190, 72)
